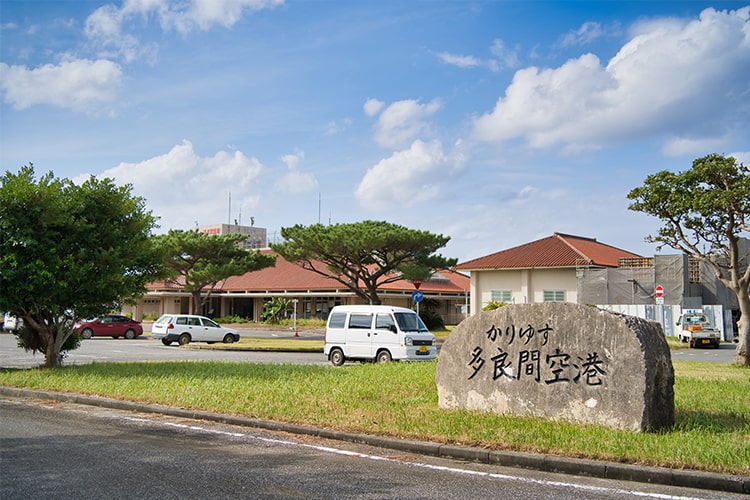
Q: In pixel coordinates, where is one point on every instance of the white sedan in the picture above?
(186, 328)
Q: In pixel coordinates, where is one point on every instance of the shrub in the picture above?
(29, 342)
(276, 309)
(304, 322)
(231, 319)
(492, 305)
(432, 320)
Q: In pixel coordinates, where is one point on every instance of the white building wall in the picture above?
(554, 279)
(667, 316)
(525, 285)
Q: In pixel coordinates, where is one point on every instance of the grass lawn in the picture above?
(711, 432)
(267, 344)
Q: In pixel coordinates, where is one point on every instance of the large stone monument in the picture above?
(560, 361)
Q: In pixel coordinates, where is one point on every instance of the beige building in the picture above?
(446, 293)
(544, 270)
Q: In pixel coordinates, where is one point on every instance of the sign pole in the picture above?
(294, 317)
(416, 295)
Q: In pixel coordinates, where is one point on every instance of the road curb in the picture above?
(540, 462)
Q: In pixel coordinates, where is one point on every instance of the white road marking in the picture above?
(328, 449)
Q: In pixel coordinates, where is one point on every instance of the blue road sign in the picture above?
(417, 296)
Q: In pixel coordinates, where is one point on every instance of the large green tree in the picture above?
(69, 252)
(202, 261)
(705, 212)
(363, 256)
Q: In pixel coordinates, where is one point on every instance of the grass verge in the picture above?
(711, 432)
(266, 344)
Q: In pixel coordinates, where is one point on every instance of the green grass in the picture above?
(267, 344)
(711, 432)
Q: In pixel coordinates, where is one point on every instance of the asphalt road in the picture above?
(724, 354)
(104, 349)
(65, 450)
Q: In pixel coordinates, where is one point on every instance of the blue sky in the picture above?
(494, 123)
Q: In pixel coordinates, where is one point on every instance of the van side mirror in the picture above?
(393, 328)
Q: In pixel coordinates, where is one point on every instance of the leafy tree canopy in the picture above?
(203, 260)
(705, 213)
(68, 252)
(364, 255)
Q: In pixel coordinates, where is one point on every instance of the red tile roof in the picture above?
(558, 250)
(286, 276)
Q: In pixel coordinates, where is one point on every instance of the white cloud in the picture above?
(403, 121)
(184, 17)
(295, 181)
(182, 187)
(742, 157)
(78, 84)
(107, 25)
(104, 28)
(204, 14)
(672, 79)
(105, 22)
(372, 107)
(505, 57)
(335, 127)
(460, 61)
(683, 146)
(405, 178)
(541, 104)
(502, 58)
(587, 33)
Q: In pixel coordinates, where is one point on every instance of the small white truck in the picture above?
(694, 328)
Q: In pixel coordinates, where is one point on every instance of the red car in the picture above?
(111, 325)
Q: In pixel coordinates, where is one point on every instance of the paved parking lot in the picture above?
(146, 349)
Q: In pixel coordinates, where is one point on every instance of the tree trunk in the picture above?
(196, 300)
(372, 293)
(743, 325)
(52, 357)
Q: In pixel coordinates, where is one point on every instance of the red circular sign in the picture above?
(660, 291)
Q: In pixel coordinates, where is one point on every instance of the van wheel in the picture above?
(383, 356)
(184, 339)
(337, 357)
(166, 342)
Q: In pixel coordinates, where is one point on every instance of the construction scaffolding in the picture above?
(635, 282)
(683, 283)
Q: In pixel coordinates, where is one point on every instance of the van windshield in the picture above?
(410, 322)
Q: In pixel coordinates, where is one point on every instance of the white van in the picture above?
(11, 323)
(379, 333)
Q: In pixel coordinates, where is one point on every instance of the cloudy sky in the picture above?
(494, 123)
